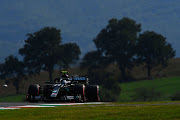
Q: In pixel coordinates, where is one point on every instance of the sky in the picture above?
(81, 20)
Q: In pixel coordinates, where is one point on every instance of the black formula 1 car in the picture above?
(64, 88)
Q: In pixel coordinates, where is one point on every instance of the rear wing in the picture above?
(80, 79)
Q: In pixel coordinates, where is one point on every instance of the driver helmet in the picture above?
(65, 75)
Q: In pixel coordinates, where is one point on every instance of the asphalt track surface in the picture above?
(8, 104)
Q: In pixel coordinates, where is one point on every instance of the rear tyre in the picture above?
(92, 93)
(33, 91)
(79, 93)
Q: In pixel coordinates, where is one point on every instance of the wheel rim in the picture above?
(98, 99)
(84, 97)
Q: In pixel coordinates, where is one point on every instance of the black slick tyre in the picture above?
(33, 91)
(92, 93)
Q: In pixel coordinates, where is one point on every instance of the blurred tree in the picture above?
(110, 90)
(94, 61)
(153, 49)
(117, 42)
(71, 52)
(91, 59)
(14, 70)
(44, 49)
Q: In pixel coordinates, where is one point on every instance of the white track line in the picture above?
(47, 105)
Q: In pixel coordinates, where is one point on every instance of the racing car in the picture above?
(64, 88)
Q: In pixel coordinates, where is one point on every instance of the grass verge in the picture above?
(16, 98)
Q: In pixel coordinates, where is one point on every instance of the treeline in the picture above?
(120, 42)
(42, 51)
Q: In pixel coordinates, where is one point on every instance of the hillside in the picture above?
(167, 87)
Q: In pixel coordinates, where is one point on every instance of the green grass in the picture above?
(150, 112)
(16, 98)
(166, 86)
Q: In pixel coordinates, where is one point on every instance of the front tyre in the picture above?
(33, 91)
(92, 93)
